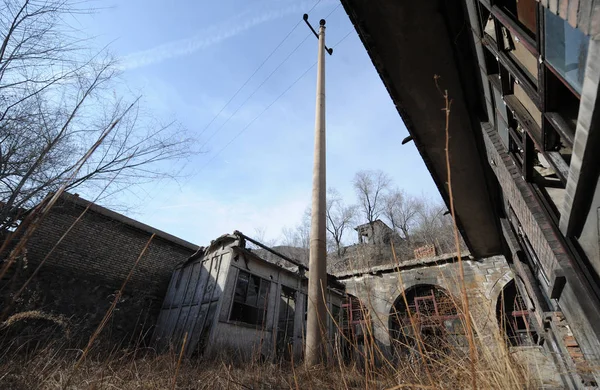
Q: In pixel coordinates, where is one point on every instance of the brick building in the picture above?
(80, 277)
(523, 78)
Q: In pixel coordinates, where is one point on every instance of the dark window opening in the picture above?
(425, 314)
(522, 13)
(250, 299)
(556, 144)
(513, 317)
(355, 326)
(516, 147)
(491, 64)
(562, 105)
(336, 321)
(285, 323)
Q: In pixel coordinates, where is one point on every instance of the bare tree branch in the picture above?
(402, 211)
(56, 101)
(370, 188)
(340, 218)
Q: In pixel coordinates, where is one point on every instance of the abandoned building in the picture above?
(226, 298)
(375, 233)
(252, 301)
(80, 275)
(522, 77)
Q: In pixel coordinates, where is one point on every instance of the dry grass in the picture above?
(53, 368)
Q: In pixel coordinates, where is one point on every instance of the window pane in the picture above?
(526, 14)
(263, 294)
(519, 53)
(566, 49)
(529, 105)
(253, 286)
(522, 12)
(502, 129)
(248, 314)
(490, 29)
(500, 105)
(241, 287)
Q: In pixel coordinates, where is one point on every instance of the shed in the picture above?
(228, 299)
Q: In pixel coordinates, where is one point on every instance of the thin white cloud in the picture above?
(209, 36)
(200, 216)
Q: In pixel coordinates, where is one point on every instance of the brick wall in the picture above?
(80, 278)
(528, 210)
(104, 249)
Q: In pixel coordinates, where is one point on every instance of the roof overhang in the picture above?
(411, 43)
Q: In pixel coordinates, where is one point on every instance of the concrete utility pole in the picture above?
(316, 326)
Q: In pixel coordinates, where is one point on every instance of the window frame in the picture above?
(551, 134)
(235, 303)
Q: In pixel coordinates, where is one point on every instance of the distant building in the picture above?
(377, 233)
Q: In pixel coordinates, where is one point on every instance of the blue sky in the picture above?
(188, 58)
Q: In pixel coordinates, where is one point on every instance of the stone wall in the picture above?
(484, 281)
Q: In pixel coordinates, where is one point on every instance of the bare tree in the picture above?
(340, 218)
(299, 236)
(370, 187)
(402, 211)
(56, 100)
(434, 226)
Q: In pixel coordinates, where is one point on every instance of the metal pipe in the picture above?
(263, 246)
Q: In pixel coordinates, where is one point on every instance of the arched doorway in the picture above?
(513, 317)
(425, 317)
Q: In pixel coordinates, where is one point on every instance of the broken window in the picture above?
(522, 13)
(355, 319)
(513, 317)
(425, 314)
(355, 324)
(285, 323)
(335, 320)
(250, 300)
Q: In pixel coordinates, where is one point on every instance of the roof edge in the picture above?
(76, 199)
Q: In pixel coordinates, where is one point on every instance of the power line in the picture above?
(255, 72)
(332, 11)
(255, 90)
(345, 36)
(274, 101)
(258, 116)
